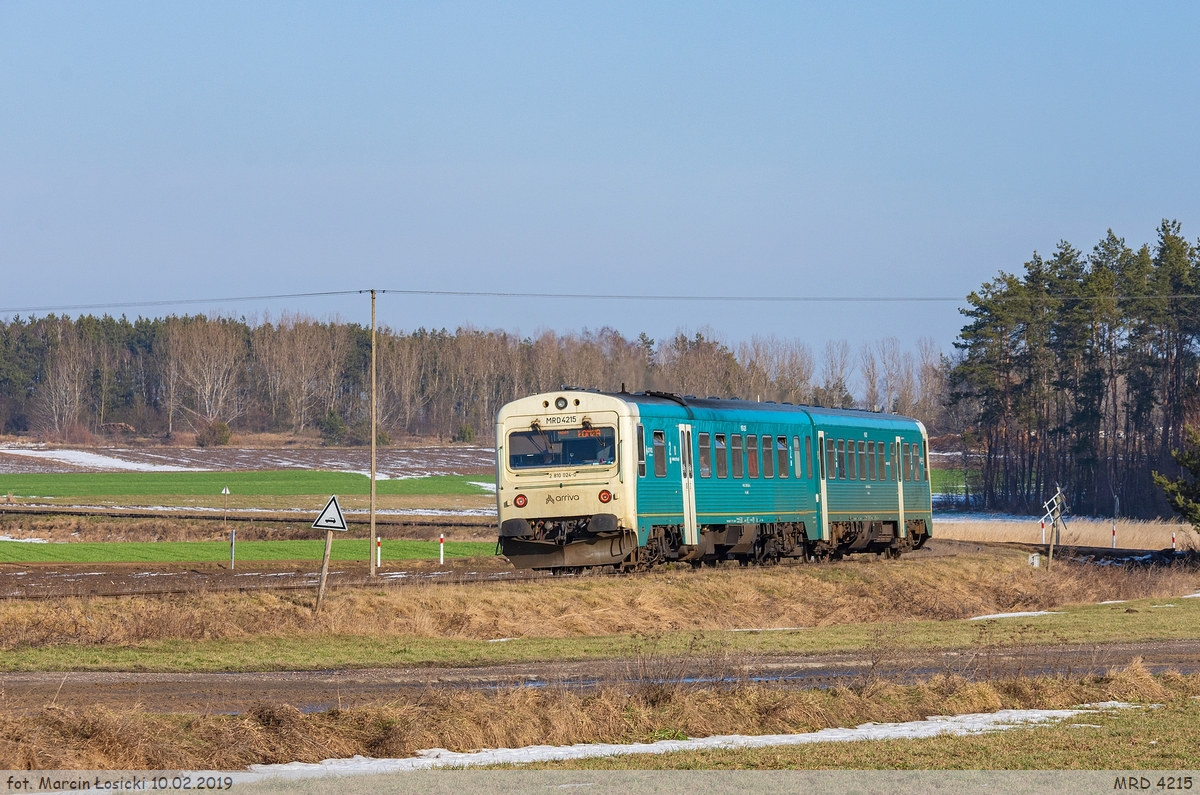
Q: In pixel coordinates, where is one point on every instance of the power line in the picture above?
(775, 299)
(178, 302)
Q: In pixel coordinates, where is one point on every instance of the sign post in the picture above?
(225, 522)
(330, 519)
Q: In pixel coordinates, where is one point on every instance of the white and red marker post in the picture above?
(378, 552)
(441, 549)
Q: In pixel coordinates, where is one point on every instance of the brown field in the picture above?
(1131, 534)
(652, 708)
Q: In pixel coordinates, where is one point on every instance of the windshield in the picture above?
(539, 449)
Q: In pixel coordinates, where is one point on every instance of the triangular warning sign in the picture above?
(331, 518)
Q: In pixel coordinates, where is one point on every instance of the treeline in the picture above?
(1082, 371)
(71, 379)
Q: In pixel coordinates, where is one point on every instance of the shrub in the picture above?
(464, 434)
(215, 434)
(333, 428)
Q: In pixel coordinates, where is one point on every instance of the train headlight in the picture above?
(605, 496)
(560, 403)
(520, 500)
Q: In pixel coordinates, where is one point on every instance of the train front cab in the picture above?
(564, 491)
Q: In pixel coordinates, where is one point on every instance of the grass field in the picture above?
(833, 609)
(218, 551)
(278, 482)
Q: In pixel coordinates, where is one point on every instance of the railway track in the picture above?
(56, 581)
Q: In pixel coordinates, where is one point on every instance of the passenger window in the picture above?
(768, 457)
(660, 454)
(841, 459)
(887, 461)
(752, 456)
(852, 468)
(830, 472)
(781, 456)
(736, 449)
(799, 459)
(641, 443)
(922, 457)
(705, 456)
(808, 456)
(862, 460)
(906, 462)
(870, 460)
(722, 460)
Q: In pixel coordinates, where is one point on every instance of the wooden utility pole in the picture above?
(374, 434)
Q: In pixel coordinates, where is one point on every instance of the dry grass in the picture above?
(72, 529)
(1131, 534)
(463, 721)
(669, 601)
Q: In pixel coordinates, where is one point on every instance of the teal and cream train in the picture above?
(585, 478)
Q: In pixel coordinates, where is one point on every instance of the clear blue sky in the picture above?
(166, 150)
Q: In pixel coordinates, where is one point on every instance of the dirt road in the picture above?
(321, 690)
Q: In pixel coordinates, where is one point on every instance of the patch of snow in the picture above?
(959, 725)
(768, 629)
(485, 486)
(83, 458)
(7, 537)
(1162, 605)
(954, 517)
(1114, 602)
(1026, 614)
(500, 640)
(1191, 596)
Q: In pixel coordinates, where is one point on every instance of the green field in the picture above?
(273, 482)
(949, 481)
(218, 551)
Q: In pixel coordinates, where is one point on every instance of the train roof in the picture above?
(691, 402)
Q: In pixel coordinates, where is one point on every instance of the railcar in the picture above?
(630, 480)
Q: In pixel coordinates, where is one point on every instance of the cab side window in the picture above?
(660, 454)
(735, 447)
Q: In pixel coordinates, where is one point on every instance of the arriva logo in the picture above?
(551, 499)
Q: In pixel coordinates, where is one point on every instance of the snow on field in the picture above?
(7, 537)
(85, 460)
(1026, 614)
(958, 725)
(392, 463)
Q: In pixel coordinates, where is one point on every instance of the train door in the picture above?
(898, 472)
(822, 493)
(690, 534)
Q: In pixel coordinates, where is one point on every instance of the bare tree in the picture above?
(836, 369)
(170, 373)
(932, 378)
(869, 374)
(793, 371)
(212, 355)
(62, 394)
